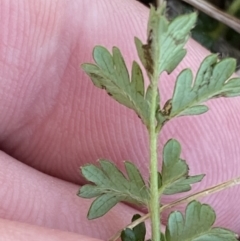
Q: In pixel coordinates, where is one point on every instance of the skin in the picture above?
(53, 120)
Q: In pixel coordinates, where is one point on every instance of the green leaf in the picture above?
(128, 235)
(140, 229)
(103, 204)
(182, 184)
(164, 48)
(196, 225)
(174, 177)
(90, 191)
(137, 79)
(173, 167)
(111, 187)
(137, 233)
(134, 175)
(195, 110)
(110, 73)
(211, 82)
(231, 88)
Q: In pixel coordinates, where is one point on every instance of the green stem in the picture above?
(154, 205)
(206, 192)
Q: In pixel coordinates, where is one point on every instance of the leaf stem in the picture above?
(154, 204)
(205, 192)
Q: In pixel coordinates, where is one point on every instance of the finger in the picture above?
(35, 198)
(15, 231)
(49, 119)
(56, 120)
(64, 123)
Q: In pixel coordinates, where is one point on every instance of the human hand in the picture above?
(53, 120)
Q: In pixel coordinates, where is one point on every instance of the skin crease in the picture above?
(54, 120)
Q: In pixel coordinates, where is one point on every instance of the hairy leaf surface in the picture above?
(110, 73)
(196, 225)
(211, 82)
(174, 177)
(111, 187)
(164, 48)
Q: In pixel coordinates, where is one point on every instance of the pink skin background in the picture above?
(53, 120)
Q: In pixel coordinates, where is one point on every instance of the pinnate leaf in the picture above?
(174, 177)
(164, 48)
(110, 186)
(196, 225)
(110, 73)
(211, 82)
